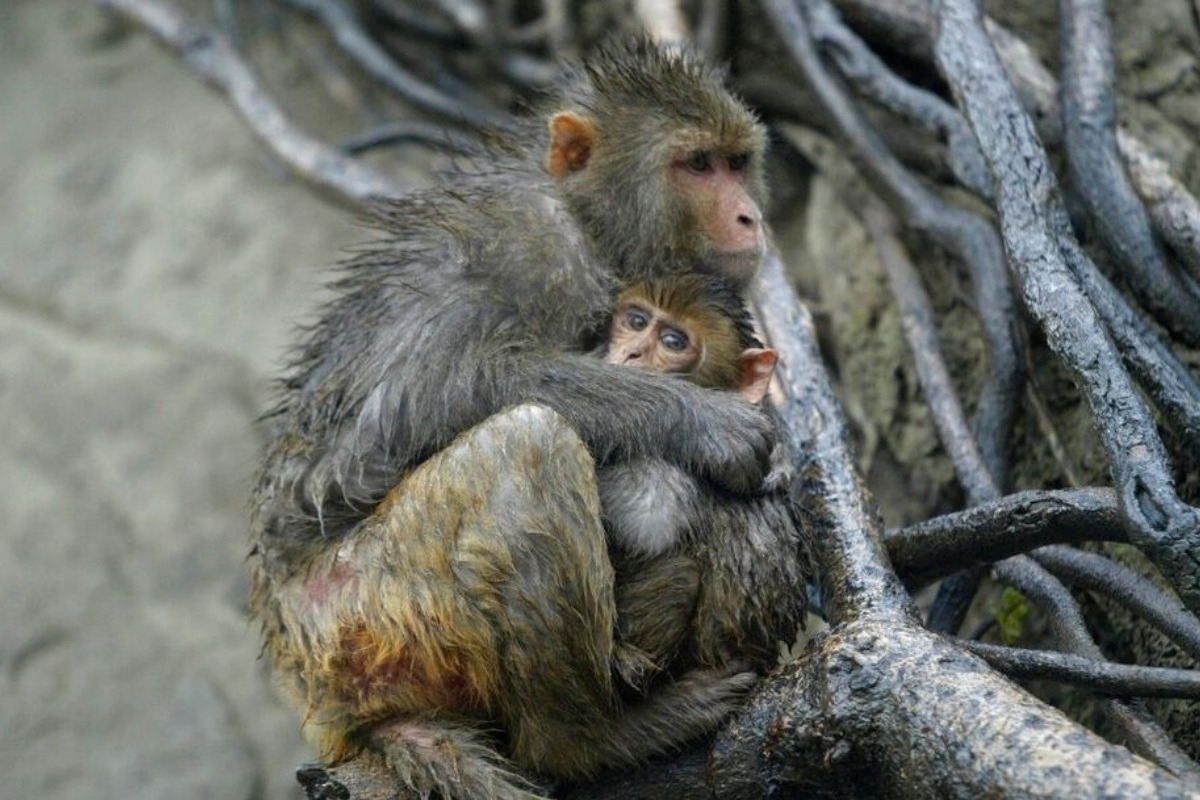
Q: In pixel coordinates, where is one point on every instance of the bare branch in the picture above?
(409, 131)
(920, 331)
(960, 232)
(210, 54)
(993, 531)
(872, 78)
(1089, 121)
(1102, 677)
(342, 22)
(1068, 628)
(1084, 570)
(1173, 210)
(826, 726)
(980, 466)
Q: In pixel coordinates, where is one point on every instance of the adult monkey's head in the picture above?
(654, 156)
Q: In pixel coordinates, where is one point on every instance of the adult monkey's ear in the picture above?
(572, 139)
(756, 366)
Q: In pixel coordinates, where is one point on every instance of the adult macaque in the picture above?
(430, 567)
(694, 326)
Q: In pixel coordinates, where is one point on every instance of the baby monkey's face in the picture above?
(651, 338)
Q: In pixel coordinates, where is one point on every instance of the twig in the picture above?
(1048, 431)
(427, 133)
(920, 331)
(954, 596)
(210, 54)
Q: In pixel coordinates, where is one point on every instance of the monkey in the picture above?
(429, 565)
(695, 326)
(678, 584)
(691, 324)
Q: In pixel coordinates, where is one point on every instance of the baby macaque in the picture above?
(695, 326)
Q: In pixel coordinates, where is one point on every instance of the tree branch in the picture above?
(991, 532)
(209, 53)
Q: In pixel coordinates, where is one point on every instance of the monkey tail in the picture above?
(429, 756)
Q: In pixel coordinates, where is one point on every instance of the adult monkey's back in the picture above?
(414, 586)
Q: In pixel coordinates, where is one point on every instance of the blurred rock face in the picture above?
(151, 268)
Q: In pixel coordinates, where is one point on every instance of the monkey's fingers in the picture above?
(733, 447)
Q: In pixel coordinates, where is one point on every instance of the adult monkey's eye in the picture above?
(739, 161)
(637, 319)
(699, 161)
(674, 341)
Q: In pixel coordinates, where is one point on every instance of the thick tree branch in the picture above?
(991, 532)
(827, 726)
(856, 578)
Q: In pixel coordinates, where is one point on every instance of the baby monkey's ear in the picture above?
(756, 367)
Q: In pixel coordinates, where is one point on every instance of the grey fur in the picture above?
(648, 505)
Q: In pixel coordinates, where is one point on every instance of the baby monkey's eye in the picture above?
(637, 319)
(700, 161)
(674, 340)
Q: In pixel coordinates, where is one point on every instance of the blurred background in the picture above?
(152, 264)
